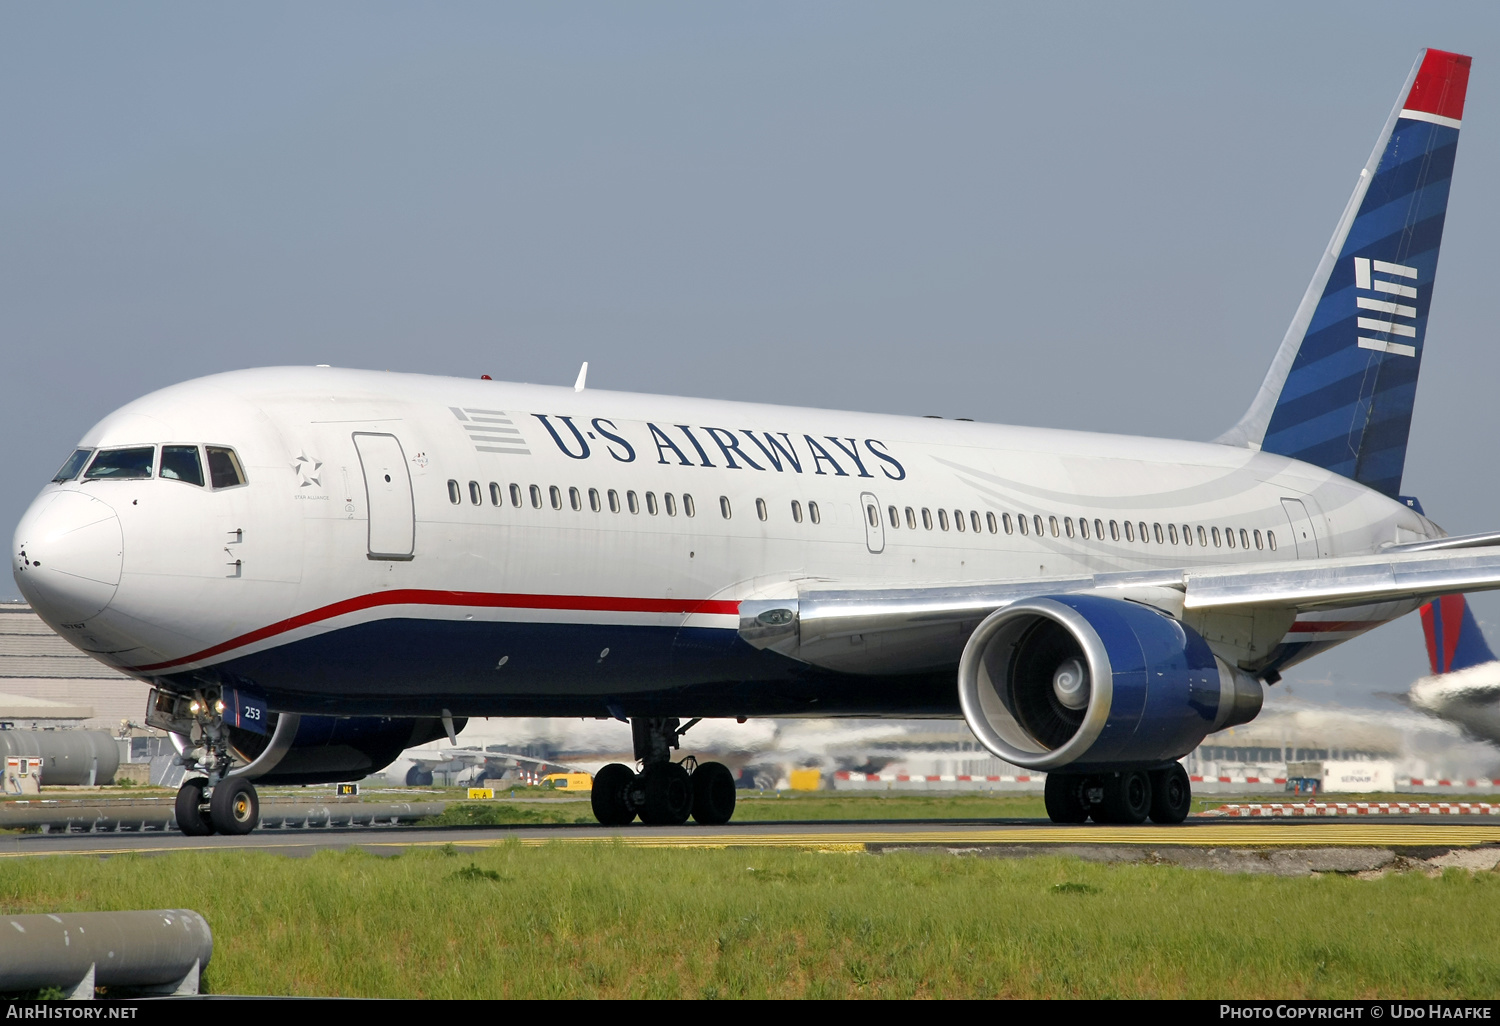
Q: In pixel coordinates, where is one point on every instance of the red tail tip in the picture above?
(1441, 84)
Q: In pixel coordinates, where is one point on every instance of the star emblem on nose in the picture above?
(307, 470)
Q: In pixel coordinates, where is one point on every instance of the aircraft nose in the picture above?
(67, 556)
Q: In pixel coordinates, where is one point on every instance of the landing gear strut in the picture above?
(209, 800)
(663, 793)
(1120, 796)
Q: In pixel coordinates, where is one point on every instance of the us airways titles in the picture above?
(687, 445)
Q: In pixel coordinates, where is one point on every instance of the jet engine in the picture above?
(1096, 683)
(325, 749)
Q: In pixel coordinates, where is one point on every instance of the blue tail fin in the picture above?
(1454, 640)
(1341, 388)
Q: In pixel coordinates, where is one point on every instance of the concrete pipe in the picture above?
(68, 756)
(161, 951)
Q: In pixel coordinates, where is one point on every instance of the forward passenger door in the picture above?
(388, 495)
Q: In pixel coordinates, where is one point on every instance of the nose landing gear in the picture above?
(215, 802)
(663, 793)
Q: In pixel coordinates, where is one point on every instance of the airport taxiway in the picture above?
(1389, 832)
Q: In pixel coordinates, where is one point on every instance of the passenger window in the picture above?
(122, 463)
(726, 512)
(594, 503)
(1258, 543)
(1083, 528)
(943, 519)
(1172, 532)
(911, 518)
(455, 494)
(761, 511)
(1068, 526)
(1217, 542)
(1144, 536)
(614, 501)
(1099, 529)
(1244, 539)
(633, 502)
(224, 469)
(796, 512)
(475, 495)
(1129, 532)
(974, 520)
(1156, 530)
(812, 511)
(515, 495)
(1202, 537)
(651, 506)
(1187, 535)
(688, 509)
(1036, 522)
(1024, 523)
(992, 523)
(670, 503)
(536, 497)
(894, 516)
(1229, 537)
(958, 519)
(494, 494)
(1114, 531)
(180, 463)
(1052, 522)
(73, 465)
(1271, 540)
(575, 499)
(555, 494)
(872, 514)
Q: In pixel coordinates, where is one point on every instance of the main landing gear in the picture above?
(1122, 796)
(213, 802)
(663, 793)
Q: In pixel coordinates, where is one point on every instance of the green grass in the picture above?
(613, 921)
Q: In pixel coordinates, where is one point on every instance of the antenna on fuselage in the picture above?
(583, 372)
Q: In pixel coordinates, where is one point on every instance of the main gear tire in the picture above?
(1171, 795)
(666, 794)
(610, 797)
(1064, 798)
(189, 808)
(1127, 798)
(713, 794)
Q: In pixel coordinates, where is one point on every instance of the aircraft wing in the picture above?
(914, 628)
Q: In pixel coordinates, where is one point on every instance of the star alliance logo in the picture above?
(307, 470)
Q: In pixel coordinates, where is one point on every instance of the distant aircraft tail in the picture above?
(1454, 640)
(1340, 391)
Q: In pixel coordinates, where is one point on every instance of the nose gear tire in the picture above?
(235, 807)
(189, 808)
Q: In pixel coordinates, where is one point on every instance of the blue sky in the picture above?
(1097, 216)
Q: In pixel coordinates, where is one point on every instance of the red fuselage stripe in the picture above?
(471, 599)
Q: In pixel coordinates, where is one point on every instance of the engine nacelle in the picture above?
(326, 749)
(1096, 682)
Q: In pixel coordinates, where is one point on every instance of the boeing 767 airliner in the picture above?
(316, 568)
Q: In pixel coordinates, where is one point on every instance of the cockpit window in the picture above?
(224, 467)
(181, 463)
(117, 464)
(75, 463)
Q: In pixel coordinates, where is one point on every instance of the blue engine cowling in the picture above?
(325, 749)
(1092, 682)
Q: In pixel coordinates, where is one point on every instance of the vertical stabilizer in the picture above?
(1341, 389)
(1454, 640)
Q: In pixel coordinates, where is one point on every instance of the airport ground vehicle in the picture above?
(368, 558)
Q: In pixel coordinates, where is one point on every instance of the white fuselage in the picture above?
(294, 582)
